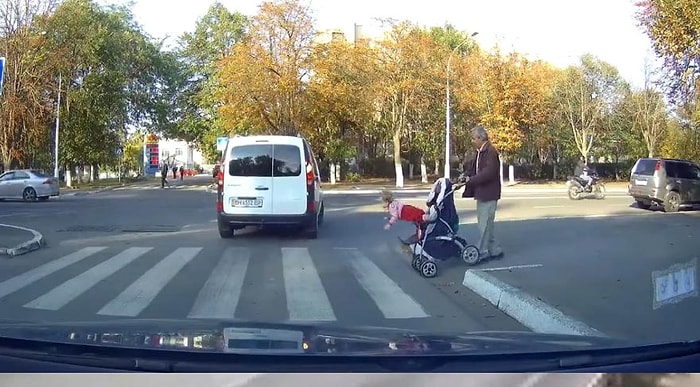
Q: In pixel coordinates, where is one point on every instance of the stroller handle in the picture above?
(458, 185)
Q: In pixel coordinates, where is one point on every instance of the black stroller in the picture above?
(440, 241)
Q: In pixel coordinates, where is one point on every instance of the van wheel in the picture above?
(225, 231)
(321, 215)
(312, 230)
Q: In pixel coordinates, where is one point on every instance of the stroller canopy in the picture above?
(442, 197)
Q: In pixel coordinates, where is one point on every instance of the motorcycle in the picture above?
(577, 188)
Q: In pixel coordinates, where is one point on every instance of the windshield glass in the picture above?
(439, 168)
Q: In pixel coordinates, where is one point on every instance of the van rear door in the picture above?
(247, 186)
(289, 179)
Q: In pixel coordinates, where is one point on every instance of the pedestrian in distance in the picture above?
(483, 179)
(164, 176)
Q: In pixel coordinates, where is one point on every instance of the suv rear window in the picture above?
(645, 167)
(257, 161)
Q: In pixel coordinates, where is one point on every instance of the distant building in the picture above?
(174, 153)
(179, 153)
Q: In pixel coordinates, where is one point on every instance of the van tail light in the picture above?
(48, 181)
(310, 174)
(220, 191)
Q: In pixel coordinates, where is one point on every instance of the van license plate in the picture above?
(247, 203)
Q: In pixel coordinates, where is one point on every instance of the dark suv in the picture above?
(671, 183)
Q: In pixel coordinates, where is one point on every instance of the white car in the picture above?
(28, 185)
(269, 180)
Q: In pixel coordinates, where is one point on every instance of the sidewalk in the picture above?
(66, 191)
(15, 240)
(622, 276)
(413, 187)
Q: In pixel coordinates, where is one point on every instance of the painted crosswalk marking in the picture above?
(23, 280)
(306, 298)
(387, 294)
(219, 296)
(71, 289)
(132, 301)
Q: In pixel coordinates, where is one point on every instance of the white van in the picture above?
(269, 180)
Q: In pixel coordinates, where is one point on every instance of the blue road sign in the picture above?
(2, 72)
(221, 143)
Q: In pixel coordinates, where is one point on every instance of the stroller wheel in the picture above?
(417, 261)
(470, 255)
(428, 269)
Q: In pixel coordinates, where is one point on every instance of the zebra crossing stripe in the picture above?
(134, 299)
(73, 288)
(23, 280)
(220, 294)
(306, 298)
(393, 302)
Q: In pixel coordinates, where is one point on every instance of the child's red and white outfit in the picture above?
(405, 212)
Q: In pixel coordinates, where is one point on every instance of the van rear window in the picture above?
(257, 161)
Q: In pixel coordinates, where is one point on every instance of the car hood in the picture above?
(246, 337)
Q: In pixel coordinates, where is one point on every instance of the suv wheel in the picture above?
(672, 203)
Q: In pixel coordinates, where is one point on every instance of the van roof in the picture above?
(272, 139)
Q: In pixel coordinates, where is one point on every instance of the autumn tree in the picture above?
(674, 27)
(263, 81)
(407, 64)
(27, 101)
(198, 114)
(586, 94)
(341, 93)
(649, 117)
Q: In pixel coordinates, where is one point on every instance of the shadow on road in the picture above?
(659, 208)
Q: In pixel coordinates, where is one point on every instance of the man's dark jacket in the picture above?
(484, 184)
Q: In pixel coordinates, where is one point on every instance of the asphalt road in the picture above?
(145, 252)
(299, 380)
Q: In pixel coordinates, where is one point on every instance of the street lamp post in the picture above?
(447, 109)
(58, 119)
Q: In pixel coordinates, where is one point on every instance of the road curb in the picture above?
(426, 191)
(35, 243)
(528, 310)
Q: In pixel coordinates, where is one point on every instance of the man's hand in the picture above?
(387, 227)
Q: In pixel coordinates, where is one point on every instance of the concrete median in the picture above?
(16, 240)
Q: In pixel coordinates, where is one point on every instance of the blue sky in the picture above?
(558, 31)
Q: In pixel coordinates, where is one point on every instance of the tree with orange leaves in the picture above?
(263, 81)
